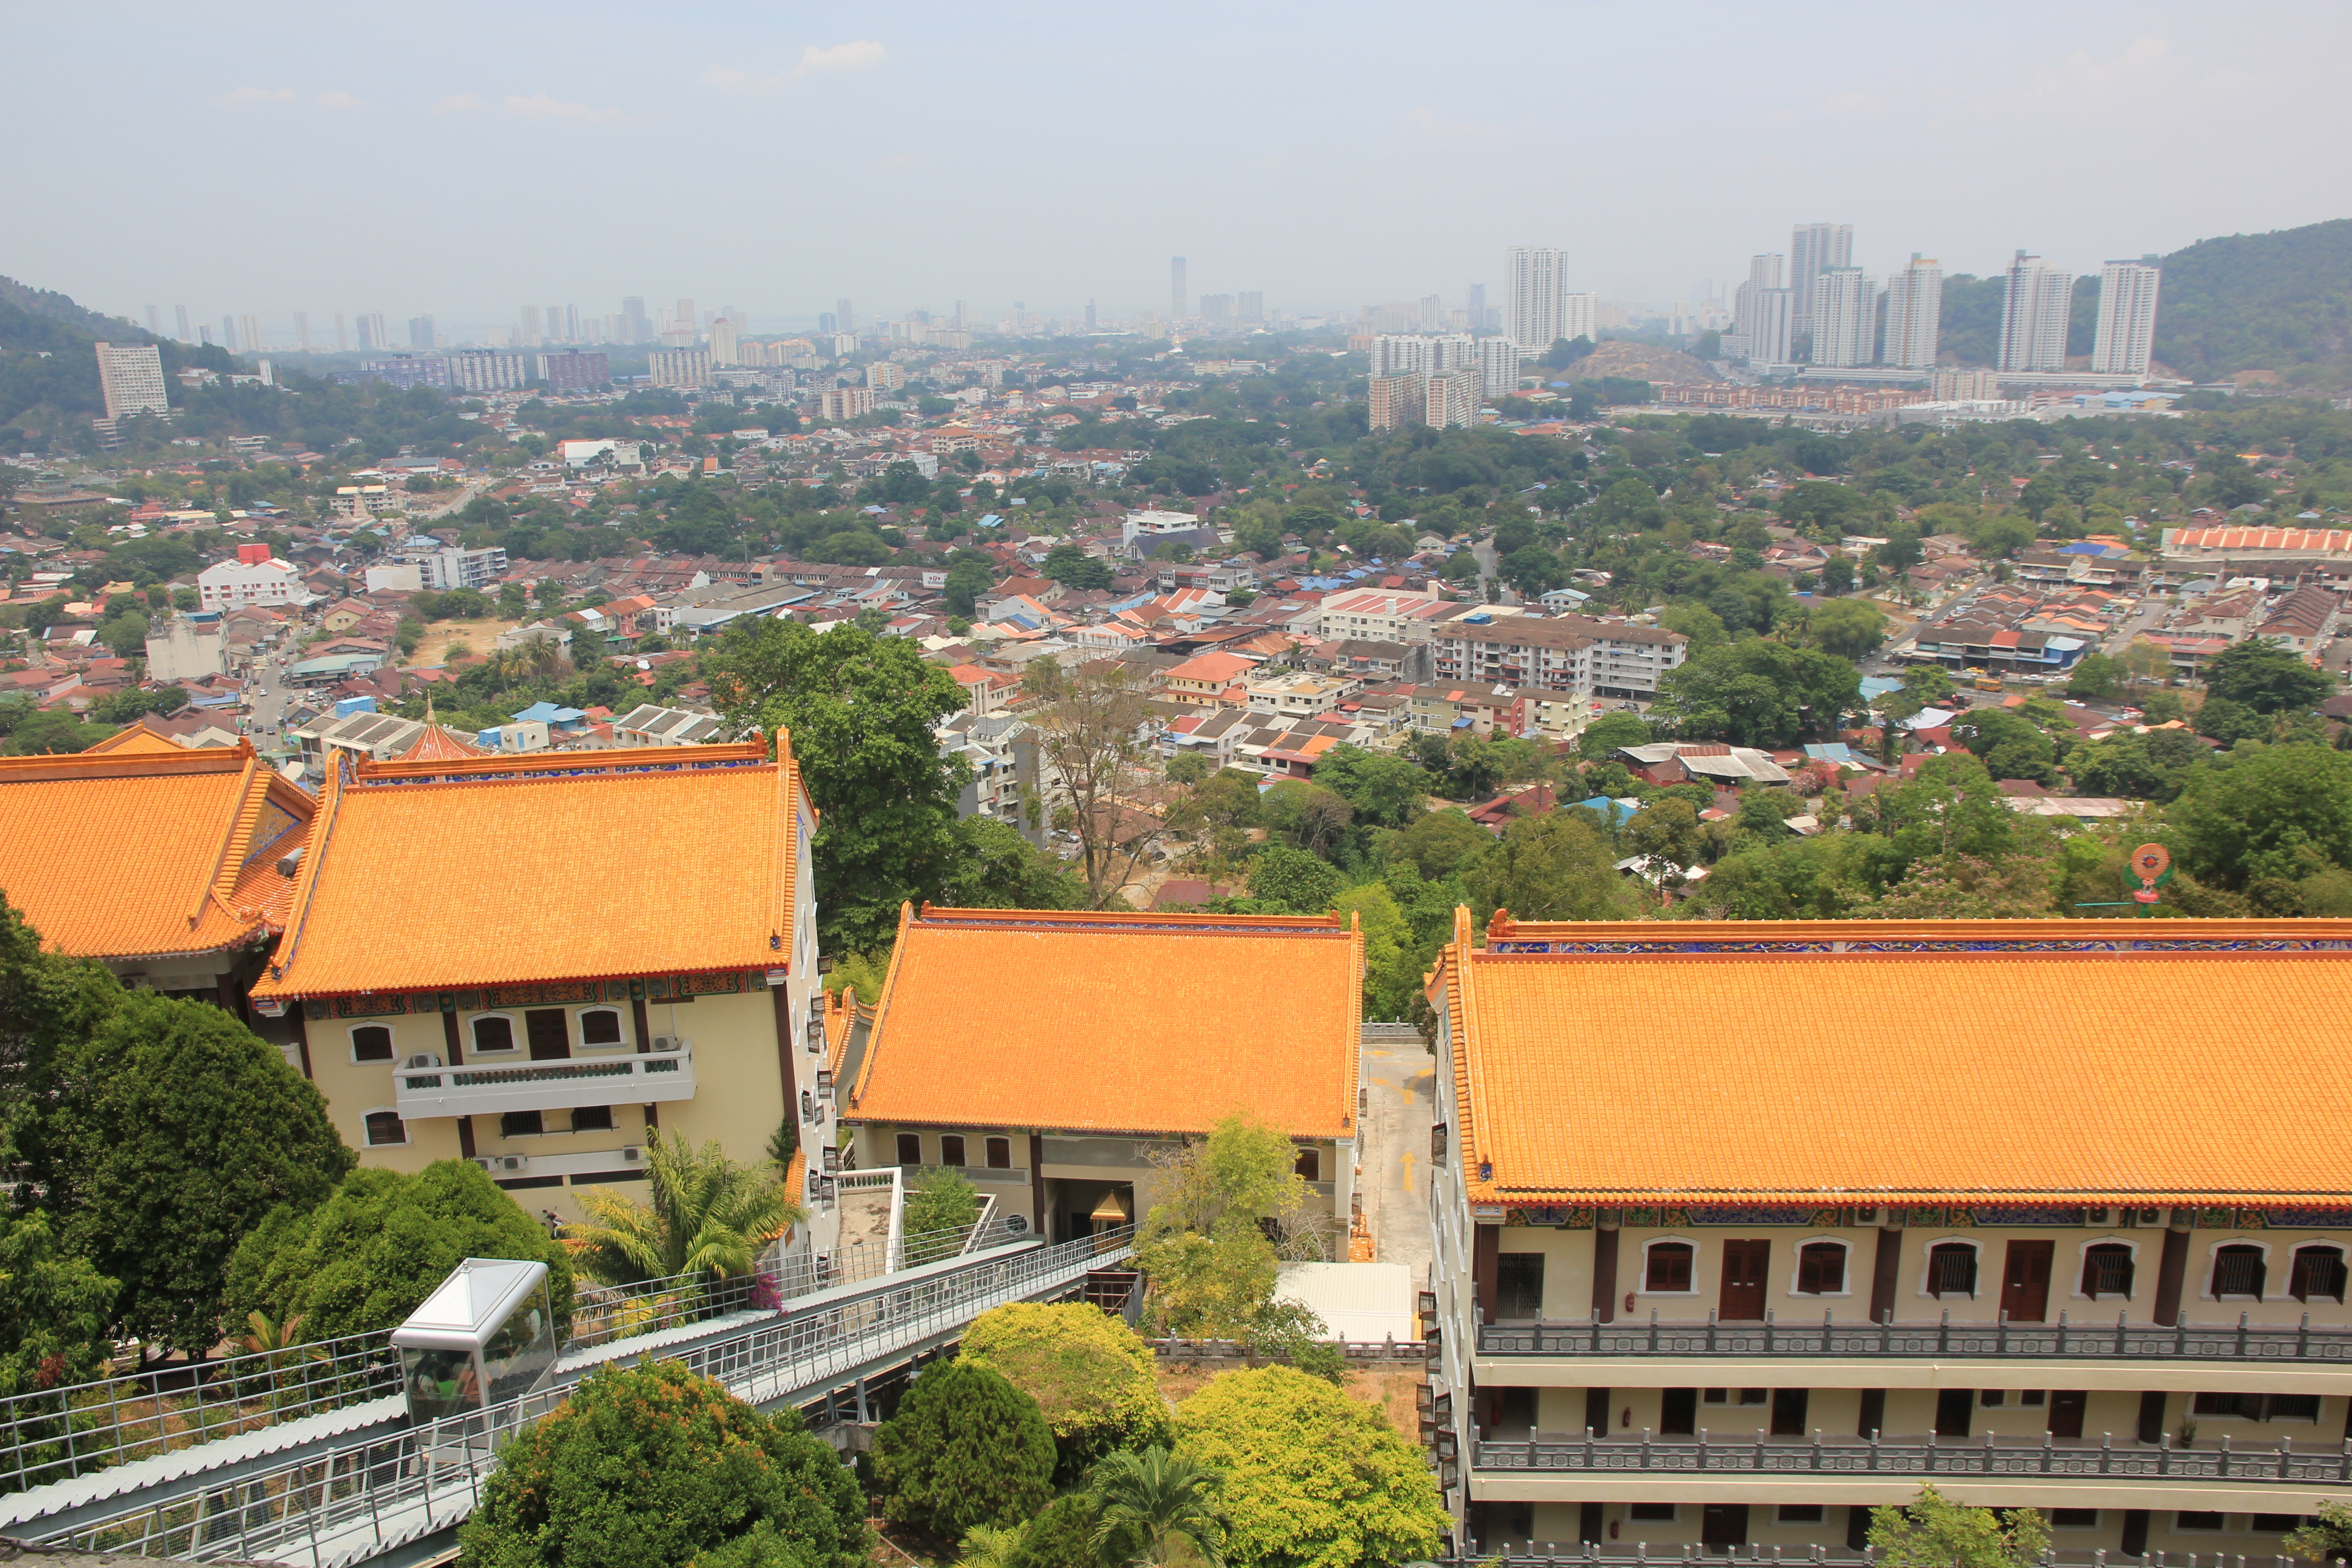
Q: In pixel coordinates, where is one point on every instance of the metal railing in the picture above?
(375, 1494)
(1763, 1456)
(481, 1088)
(57, 1434)
(2065, 1338)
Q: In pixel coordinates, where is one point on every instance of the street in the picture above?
(1401, 1078)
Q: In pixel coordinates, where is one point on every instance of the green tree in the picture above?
(1294, 880)
(1095, 1382)
(939, 1201)
(1443, 843)
(2267, 679)
(861, 710)
(53, 733)
(706, 1213)
(175, 1133)
(1163, 1503)
(1759, 693)
(2281, 813)
(1931, 1532)
(965, 1448)
(1610, 732)
(1392, 967)
(1554, 866)
(1068, 564)
(1534, 571)
(1308, 1478)
(1383, 790)
(2041, 493)
(1667, 829)
(1208, 1247)
(1929, 684)
(2325, 1538)
(651, 1464)
(54, 1312)
(2009, 746)
(970, 576)
(1848, 628)
(996, 869)
(370, 1255)
(2096, 676)
(1063, 1536)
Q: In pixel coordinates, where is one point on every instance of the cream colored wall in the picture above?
(1560, 1523)
(1568, 1267)
(738, 1097)
(351, 1089)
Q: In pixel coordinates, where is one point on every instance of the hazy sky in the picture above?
(469, 159)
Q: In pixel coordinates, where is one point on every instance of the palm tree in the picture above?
(709, 1215)
(1164, 1497)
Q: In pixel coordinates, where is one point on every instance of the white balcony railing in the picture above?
(490, 1088)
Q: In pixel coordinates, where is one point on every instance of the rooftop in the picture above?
(1117, 1022)
(1806, 1062)
(656, 860)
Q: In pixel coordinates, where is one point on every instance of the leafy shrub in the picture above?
(1310, 1478)
(940, 1200)
(965, 1448)
(1093, 1379)
(654, 1464)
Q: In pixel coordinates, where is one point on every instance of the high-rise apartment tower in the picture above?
(2126, 334)
(1813, 249)
(1915, 301)
(2034, 313)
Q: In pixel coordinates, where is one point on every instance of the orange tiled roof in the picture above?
(563, 866)
(436, 744)
(141, 850)
(1117, 1022)
(2027, 1061)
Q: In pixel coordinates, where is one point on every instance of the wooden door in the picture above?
(550, 1038)
(2025, 1281)
(1789, 1406)
(1724, 1524)
(1677, 1412)
(1744, 1265)
(1953, 1408)
(2066, 1411)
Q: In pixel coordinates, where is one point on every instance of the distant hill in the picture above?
(48, 373)
(2279, 301)
(1638, 361)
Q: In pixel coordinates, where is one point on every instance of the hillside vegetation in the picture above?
(48, 374)
(2279, 301)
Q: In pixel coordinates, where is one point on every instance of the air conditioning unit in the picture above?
(421, 1062)
(512, 1162)
(666, 1042)
(634, 1154)
(486, 1162)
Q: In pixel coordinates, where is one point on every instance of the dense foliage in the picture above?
(650, 1466)
(1093, 1380)
(965, 1448)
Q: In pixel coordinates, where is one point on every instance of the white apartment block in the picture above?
(1421, 354)
(487, 370)
(1813, 249)
(131, 377)
(679, 367)
(1397, 400)
(1539, 310)
(847, 403)
(1845, 318)
(1978, 386)
(235, 584)
(1571, 653)
(1498, 366)
(1914, 300)
(1382, 615)
(2126, 332)
(2034, 314)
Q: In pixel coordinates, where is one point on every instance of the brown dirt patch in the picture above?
(482, 636)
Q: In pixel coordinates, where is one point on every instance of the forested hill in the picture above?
(48, 375)
(2281, 300)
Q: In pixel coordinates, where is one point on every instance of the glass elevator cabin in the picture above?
(484, 1336)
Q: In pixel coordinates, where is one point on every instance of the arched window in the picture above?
(1669, 1267)
(2318, 1273)
(950, 1149)
(2237, 1270)
(1821, 1269)
(385, 1127)
(493, 1032)
(911, 1148)
(372, 1043)
(2107, 1271)
(600, 1027)
(1952, 1269)
(999, 1153)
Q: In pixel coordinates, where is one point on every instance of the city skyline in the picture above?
(302, 98)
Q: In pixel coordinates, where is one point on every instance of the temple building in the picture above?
(174, 867)
(1744, 1228)
(535, 962)
(1049, 1055)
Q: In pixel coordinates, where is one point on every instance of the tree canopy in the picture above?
(1093, 1380)
(966, 1448)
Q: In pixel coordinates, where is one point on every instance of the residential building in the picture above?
(170, 866)
(549, 1039)
(724, 341)
(1755, 337)
(1008, 777)
(1381, 614)
(1211, 676)
(884, 376)
(845, 403)
(255, 577)
(1498, 366)
(1914, 303)
(1397, 400)
(575, 370)
(1124, 1045)
(2303, 621)
(679, 367)
(1177, 296)
(1845, 318)
(441, 567)
(420, 333)
(1813, 249)
(1451, 398)
(1569, 653)
(1976, 385)
(1731, 1339)
(2125, 337)
(407, 370)
(187, 646)
(131, 380)
(487, 370)
(2034, 308)
(1299, 696)
(1539, 310)
(1421, 354)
